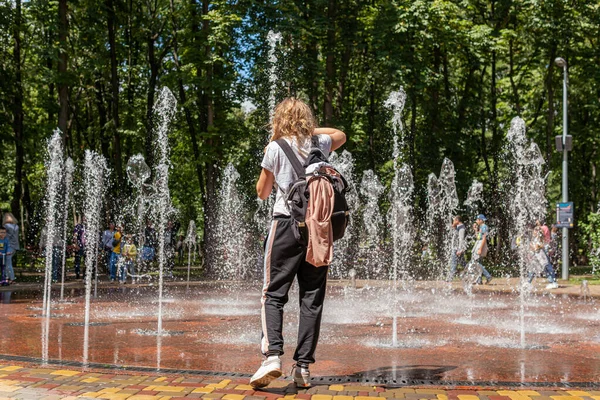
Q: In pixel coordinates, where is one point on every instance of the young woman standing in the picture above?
(284, 258)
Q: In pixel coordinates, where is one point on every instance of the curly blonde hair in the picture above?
(293, 117)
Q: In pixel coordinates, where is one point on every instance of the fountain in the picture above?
(345, 253)
(442, 202)
(191, 243)
(371, 247)
(215, 328)
(400, 213)
(94, 171)
(274, 39)
(231, 247)
(54, 167)
(138, 173)
(527, 204)
(69, 168)
(474, 195)
(165, 107)
(448, 210)
(475, 201)
(262, 217)
(55, 171)
(434, 204)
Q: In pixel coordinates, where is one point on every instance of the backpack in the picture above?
(297, 195)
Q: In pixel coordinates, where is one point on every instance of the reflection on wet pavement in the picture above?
(216, 327)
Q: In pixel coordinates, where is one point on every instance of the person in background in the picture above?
(57, 255)
(148, 249)
(480, 247)
(544, 230)
(79, 245)
(130, 255)
(106, 244)
(5, 252)
(541, 259)
(116, 253)
(42, 241)
(553, 252)
(11, 225)
(179, 248)
(459, 246)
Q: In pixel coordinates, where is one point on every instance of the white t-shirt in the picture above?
(277, 162)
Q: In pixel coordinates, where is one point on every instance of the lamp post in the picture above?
(561, 63)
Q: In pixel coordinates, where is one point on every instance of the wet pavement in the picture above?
(445, 338)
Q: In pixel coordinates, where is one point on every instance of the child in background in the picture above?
(130, 254)
(116, 253)
(4, 252)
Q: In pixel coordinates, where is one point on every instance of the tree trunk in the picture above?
(114, 80)
(462, 105)
(18, 114)
(483, 116)
(511, 75)
(594, 183)
(212, 175)
(102, 115)
(550, 113)
(132, 51)
(28, 212)
(130, 94)
(313, 63)
(493, 109)
(330, 63)
(371, 128)
(150, 102)
(51, 86)
(413, 131)
(348, 36)
(434, 107)
(188, 113)
(448, 93)
(208, 96)
(63, 89)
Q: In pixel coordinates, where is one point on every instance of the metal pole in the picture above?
(565, 181)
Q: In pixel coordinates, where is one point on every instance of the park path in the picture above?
(49, 383)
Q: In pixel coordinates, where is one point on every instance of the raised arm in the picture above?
(338, 138)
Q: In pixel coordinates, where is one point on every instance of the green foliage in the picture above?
(591, 233)
(468, 67)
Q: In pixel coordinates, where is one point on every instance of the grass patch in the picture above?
(592, 280)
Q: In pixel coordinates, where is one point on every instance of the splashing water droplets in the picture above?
(232, 237)
(526, 204)
(274, 39)
(94, 172)
(345, 248)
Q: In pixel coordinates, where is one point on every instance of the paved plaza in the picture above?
(49, 383)
(452, 346)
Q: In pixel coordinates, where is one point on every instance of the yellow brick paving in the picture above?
(22, 382)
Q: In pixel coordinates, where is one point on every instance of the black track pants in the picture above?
(285, 259)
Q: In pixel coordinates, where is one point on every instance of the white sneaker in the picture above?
(301, 376)
(553, 285)
(269, 370)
